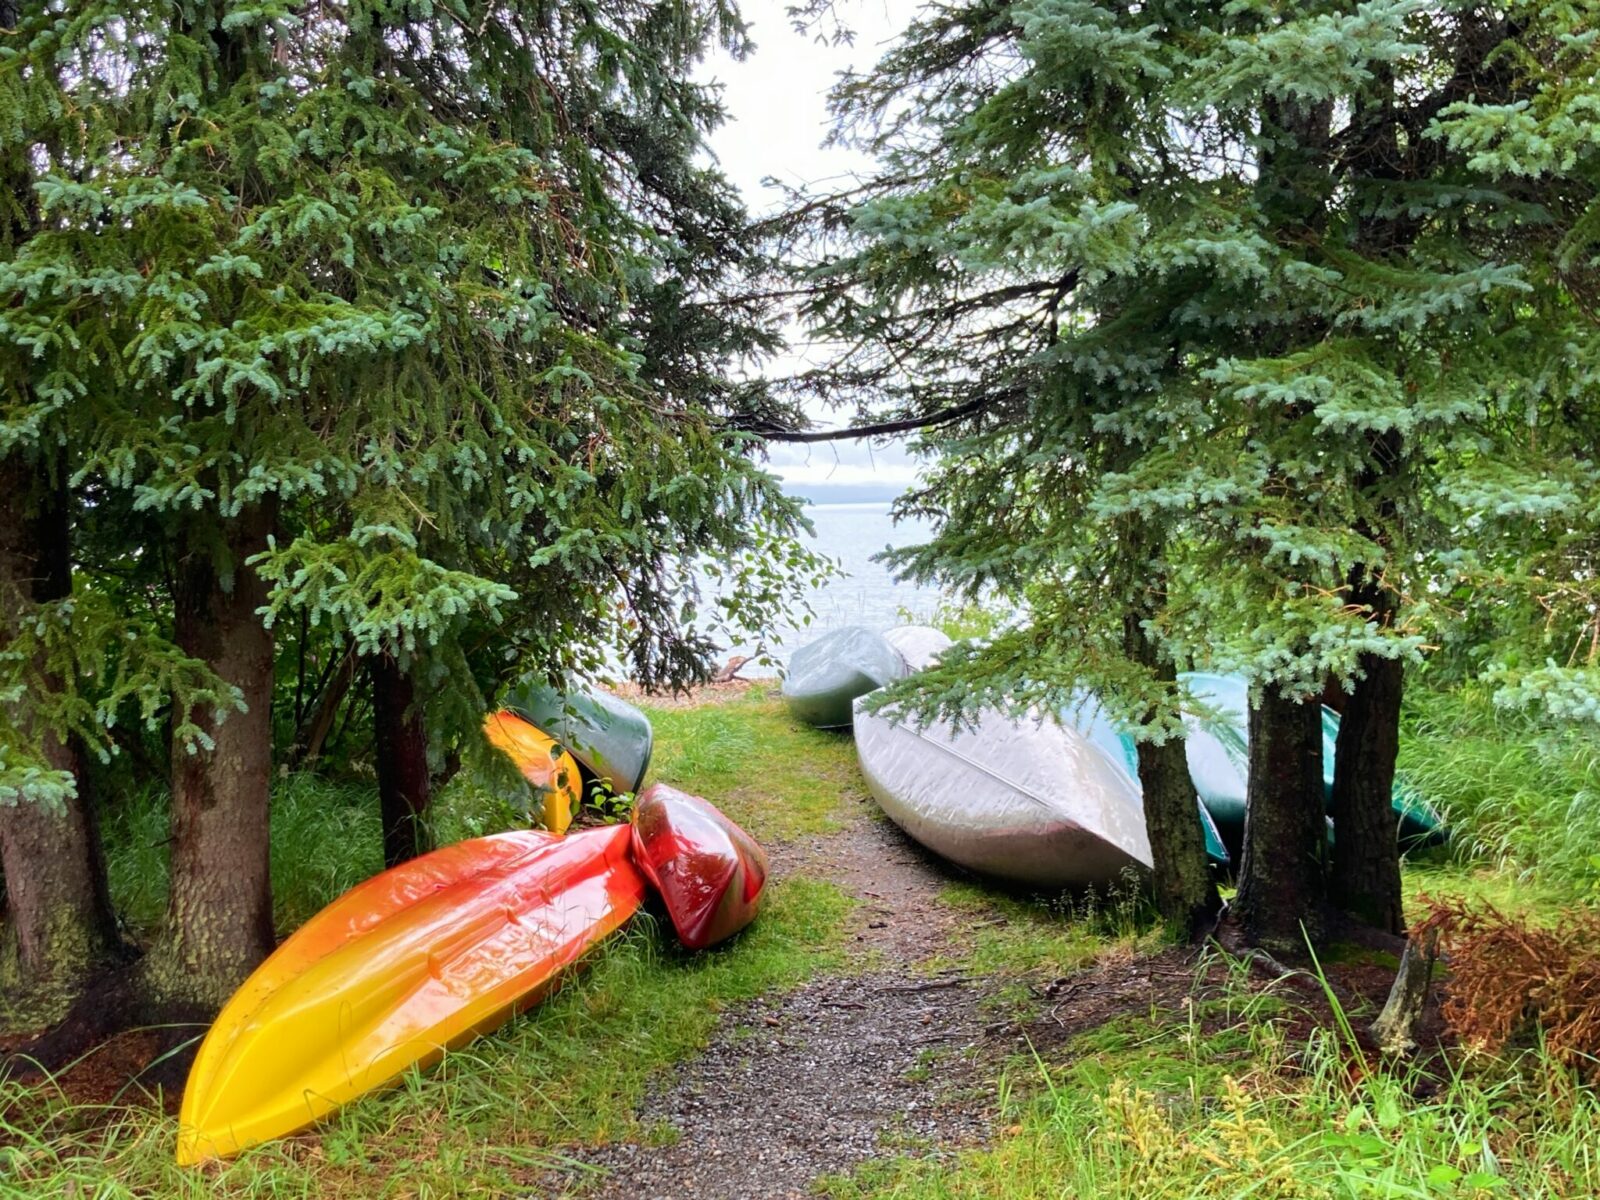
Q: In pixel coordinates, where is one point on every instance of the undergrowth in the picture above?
(1518, 791)
(1241, 1095)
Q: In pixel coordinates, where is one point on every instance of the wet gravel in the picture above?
(810, 1084)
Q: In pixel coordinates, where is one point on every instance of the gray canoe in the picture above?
(919, 645)
(827, 674)
(611, 739)
(1037, 804)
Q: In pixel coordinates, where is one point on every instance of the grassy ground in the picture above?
(1231, 1094)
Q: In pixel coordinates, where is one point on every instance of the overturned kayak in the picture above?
(919, 645)
(557, 784)
(1036, 803)
(708, 871)
(1089, 718)
(610, 738)
(826, 675)
(418, 959)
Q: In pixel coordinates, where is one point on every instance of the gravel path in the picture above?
(815, 1081)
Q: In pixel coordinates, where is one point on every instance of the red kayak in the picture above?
(709, 871)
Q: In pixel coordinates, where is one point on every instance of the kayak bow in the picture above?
(543, 763)
(400, 968)
(709, 871)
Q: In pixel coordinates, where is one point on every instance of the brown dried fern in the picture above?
(1510, 979)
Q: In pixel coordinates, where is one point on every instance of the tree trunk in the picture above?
(1365, 880)
(1186, 895)
(314, 730)
(1281, 884)
(219, 913)
(400, 744)
(60, 929)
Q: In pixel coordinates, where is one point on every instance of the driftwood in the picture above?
(1395, 1028)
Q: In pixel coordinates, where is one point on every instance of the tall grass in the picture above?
(1518, 791)
(1241, 1096)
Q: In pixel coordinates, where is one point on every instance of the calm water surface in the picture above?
(864, 592)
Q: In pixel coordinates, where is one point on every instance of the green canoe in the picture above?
(824, 676)
(1218, 749)
(610, 738)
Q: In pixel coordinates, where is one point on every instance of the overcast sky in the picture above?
(777, 104)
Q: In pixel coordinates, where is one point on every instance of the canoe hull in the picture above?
(919, 645)
(1036, 804)
(826, 676)
(399, 969)
(708, 871)
(611, 739)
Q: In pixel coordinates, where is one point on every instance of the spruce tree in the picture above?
(1201, 303)
(395, 323)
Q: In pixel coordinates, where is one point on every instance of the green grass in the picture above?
(488, 1118)
(1521, 794)
(777, 777)
(1231, 1098)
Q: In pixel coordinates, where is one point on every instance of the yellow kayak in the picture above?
(400, 968)
(543, 763)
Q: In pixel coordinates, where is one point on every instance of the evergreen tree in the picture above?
(1198, 306)
(363, 321)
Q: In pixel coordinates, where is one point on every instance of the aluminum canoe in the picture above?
(825, 676)
(1029, 801)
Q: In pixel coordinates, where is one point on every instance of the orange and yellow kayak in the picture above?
(400, 968)
(543, 763)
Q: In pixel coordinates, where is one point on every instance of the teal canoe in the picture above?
(610, 738)
(1088, 717)
(826, 675)
(1218, 748)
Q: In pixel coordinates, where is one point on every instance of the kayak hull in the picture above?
(826, 676)
(552, 772)
(611, 739)
(1218, 750)
(414, 961)
(707, 870)
(1036, 804)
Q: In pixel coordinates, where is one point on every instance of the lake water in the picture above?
(864, 592)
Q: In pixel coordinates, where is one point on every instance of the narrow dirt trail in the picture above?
(889, 1057)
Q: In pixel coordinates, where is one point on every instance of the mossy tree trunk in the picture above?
(1282, 889)
(1185, 893)
(219, 913)
(400, 743)
(59, 929)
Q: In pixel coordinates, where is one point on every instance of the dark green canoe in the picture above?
(827, 674)
(610, 738)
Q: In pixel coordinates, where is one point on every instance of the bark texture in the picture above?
(1186, 895)
(219, 913)
(400, 742)
(59, 929)
(1365, 880)
(1282, 887)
